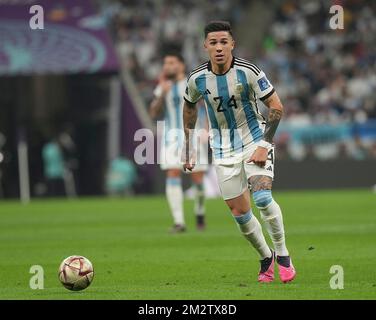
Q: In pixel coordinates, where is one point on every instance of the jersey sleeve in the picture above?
(261, 85)
(191, 94)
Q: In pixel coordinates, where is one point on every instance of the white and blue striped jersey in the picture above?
(173, 104)
(201, 122)
(173, 112)
(231, 105)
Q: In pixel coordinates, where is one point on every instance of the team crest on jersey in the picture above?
(239, 88)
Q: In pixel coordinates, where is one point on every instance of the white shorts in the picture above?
(233, 177)
(170, 158)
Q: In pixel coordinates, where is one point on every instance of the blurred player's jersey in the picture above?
(231, 105)
(202, 119)
(173, 133)
(173, 111)
(173, 115)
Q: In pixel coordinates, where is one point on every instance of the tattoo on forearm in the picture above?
(189, 119)
(257, 183)
(274, 118)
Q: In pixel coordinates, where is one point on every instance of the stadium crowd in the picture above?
(323, 76)
(145, 29)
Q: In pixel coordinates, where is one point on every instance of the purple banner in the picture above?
(74, 39)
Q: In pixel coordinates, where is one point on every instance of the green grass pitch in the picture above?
(135, 258)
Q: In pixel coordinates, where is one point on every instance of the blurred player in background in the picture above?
(242, 142)
(54, 168)
(168, 97)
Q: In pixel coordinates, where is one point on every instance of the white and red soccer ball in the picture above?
(76, 273)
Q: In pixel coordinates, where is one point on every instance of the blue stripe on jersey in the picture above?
(179, 118)
(167, 123)
(253, 124)
(176, 101)
(222, 89)
(217, 136)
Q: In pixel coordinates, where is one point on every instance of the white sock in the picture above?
(199, 199)
(174, 194)
(251, 229)
(272, 217)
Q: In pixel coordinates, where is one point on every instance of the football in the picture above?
(76, 273)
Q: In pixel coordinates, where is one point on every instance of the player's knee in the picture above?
(262, 198)
(173, 173)
(237, 209)
(198, 178)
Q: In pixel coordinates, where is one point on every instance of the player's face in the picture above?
(219, 46)
(171, 67)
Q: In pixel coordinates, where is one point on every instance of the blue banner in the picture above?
(325, 133)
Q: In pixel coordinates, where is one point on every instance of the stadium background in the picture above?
(85, 82)
(326, 79)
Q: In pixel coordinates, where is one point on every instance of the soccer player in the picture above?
(169, 97)
(242, 142)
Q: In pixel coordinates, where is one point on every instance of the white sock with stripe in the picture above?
(199, 199)
(271, 214)
(251, 229)
(174, 194)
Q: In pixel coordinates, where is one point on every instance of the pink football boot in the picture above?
(286, 269)
(266, 273)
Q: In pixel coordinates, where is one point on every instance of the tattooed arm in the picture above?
(275, 115)
(273, 102)
(189, 120)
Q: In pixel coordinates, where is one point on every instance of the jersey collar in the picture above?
(231, 66)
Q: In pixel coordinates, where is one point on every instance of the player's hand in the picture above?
(259, 157)
(164, 83)
(188, 157)
(188, 166)
(166, 86)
